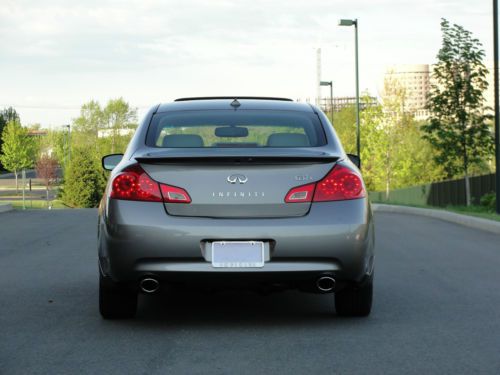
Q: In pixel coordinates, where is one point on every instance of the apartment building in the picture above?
(416, 79)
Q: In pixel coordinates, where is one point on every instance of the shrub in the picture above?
(489, 200)
(84, 182)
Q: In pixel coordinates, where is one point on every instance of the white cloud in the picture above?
(62, 53)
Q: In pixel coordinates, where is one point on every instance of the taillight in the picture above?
(302, 193)
(341, 183)
(134, 184)
(173, 194)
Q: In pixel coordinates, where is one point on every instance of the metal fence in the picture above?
(442, 194)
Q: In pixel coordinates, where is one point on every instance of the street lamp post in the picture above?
(497, 102)
(329, 83)
(347, 22)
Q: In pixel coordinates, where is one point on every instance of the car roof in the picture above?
(280, 104)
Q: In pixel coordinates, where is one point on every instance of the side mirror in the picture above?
(109, 162)
(355, 159)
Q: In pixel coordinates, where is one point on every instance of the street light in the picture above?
(346, 22)
(329, 83)
(497, 109)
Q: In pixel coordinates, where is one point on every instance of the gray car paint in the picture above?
(261, 196)
(150, 238)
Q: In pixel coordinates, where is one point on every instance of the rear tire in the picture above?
(116, 301)
(355, 300)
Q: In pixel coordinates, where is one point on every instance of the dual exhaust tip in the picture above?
(325, 284)
(149, 285)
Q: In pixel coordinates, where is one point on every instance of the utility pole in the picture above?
(497, 110)
(354, 22)
(358, 137)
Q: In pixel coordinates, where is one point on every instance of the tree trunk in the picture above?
(466, 173)
(467, 190)
(387, 188)
(387, 177)
(17, 186)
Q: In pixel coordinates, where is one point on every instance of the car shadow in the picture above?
(235, 309)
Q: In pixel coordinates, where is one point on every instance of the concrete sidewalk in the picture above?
(468, 221)
(5, 207)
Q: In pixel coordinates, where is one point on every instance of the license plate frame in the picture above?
(238, 254)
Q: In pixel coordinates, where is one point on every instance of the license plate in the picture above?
(238, 254)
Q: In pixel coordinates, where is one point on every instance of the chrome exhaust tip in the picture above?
(325, 284)
(149, 285)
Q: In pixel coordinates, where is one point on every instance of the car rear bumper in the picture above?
(139, 238)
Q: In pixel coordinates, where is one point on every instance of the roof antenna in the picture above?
(235, 103)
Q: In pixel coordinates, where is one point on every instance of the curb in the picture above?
(5, 207)
(468, 221)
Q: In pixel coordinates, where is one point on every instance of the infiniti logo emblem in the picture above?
(234, 178)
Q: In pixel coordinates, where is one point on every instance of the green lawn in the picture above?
(36, 204)
(20, 187)
(478, 211)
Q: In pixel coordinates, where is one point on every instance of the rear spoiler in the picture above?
(223, 159)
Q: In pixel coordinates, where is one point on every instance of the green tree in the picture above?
(84, 182)
(406, 154)
(2, 127)
(7, 115)
(395, 120)
(119, 117)
(86, 127)
(54, 144)
(96, 132)
(46, 170)
(18, 149)
(344, 122)
(458, 129)
(416, 166)
(393, 153)
(104, 130)
(10, 114)
(372, 147)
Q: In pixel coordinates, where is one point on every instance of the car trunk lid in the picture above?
(233, 184)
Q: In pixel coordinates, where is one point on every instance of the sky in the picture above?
(56, 55)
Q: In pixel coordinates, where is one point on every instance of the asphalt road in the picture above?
(436, 310)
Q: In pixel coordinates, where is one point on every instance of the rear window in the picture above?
(239, 128)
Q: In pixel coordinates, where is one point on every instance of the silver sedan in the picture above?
(235, 193)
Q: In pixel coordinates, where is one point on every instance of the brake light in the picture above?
(134, 184)
(173, 194)
(341, 183)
